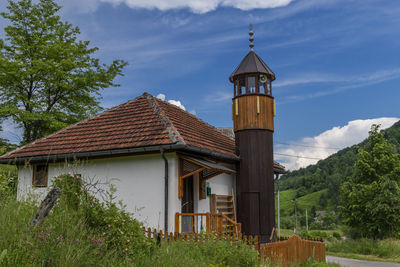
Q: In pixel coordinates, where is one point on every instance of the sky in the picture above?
(337, 62)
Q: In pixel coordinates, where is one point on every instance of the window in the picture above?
(242, 86)
(40, 173)
(252, 84)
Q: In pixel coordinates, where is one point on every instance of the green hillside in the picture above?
(327, 175)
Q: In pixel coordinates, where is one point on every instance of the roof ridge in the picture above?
(195, 117)
(67, 127)
(173, 133)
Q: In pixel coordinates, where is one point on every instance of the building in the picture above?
(164, 160)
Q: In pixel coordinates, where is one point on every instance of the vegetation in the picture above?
(82, 231)
(386, 249)
(371, 198)
(48, 77)
(329, 174)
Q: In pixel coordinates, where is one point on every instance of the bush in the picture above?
(337, 235)
(212, 253)
(83, 231)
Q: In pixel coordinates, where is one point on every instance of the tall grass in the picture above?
(81, 231)
(387, 248)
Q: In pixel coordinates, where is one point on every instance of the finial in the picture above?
(251, 39)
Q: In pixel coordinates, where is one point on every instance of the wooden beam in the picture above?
(192, 173)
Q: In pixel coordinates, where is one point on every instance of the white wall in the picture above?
(139, 181)
(220, 185)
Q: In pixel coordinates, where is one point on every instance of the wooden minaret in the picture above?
(253, 112)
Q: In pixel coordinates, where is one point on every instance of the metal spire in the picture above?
(251, 39)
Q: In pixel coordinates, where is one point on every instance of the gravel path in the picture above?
(359, 263)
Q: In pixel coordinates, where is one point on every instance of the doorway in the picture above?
(187, 205)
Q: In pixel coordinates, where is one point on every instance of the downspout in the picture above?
(165, 190)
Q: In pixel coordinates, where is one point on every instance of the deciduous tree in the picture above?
(48, 77)
(370, 200)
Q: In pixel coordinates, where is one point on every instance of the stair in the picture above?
(224, 204)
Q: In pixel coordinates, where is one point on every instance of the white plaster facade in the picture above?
(139, 181)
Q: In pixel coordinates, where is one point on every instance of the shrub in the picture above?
(114, 227)
(211, 253)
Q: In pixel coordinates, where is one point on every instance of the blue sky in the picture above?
(336, 61)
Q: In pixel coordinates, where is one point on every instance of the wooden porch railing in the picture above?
(192, 223)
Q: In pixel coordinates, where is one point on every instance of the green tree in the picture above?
(48, 77)
(370, 200)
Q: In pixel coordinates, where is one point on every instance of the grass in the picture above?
(65, 239)
(307, 201)
(366, 249)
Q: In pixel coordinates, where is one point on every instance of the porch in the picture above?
(197, 223)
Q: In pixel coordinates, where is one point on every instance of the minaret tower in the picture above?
(253, 112)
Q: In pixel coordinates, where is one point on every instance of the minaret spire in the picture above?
(251, 39)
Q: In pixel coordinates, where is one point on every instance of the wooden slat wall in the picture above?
(247, 116)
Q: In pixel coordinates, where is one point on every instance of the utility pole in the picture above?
(306, 220)
(295, 212)
(279, 211)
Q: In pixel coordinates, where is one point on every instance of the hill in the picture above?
(330, 173)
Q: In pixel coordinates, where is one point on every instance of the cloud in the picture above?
(310, 149)
(195, 6)
(174, 102)
(308, 78)
(177, 103)
(340, 82)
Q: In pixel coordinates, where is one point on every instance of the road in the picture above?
(359, 263)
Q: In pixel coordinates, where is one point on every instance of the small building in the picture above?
(166, 163)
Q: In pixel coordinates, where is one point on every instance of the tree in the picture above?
(370, 200)
(48, 78)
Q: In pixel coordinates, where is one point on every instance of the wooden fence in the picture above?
(292, 251)
(203, 237)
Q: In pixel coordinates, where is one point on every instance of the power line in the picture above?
(322, 147)
(295, 156)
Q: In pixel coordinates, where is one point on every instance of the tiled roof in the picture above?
(141, 122)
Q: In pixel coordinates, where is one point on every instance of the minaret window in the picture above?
(261, 87)
(242, 86)
(252, 84)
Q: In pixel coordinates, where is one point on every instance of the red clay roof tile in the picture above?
(143, 121)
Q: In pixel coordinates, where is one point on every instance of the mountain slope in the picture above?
(331, 172)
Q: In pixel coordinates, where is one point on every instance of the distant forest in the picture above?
(331, 172)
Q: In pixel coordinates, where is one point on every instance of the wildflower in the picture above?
(129, 240)
(41, 235)
(126, 249)
(109, 225)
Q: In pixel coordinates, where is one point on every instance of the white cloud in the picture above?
(174, 102)
(161, 97)
(353, 81)
(193, 112)
(196, 6)
(311, 149)
(177, 103)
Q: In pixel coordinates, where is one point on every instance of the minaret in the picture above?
(253, 112)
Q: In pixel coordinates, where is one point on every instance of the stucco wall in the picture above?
(139, 181)
(220, 185)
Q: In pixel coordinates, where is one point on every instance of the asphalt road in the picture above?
(359, 263)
